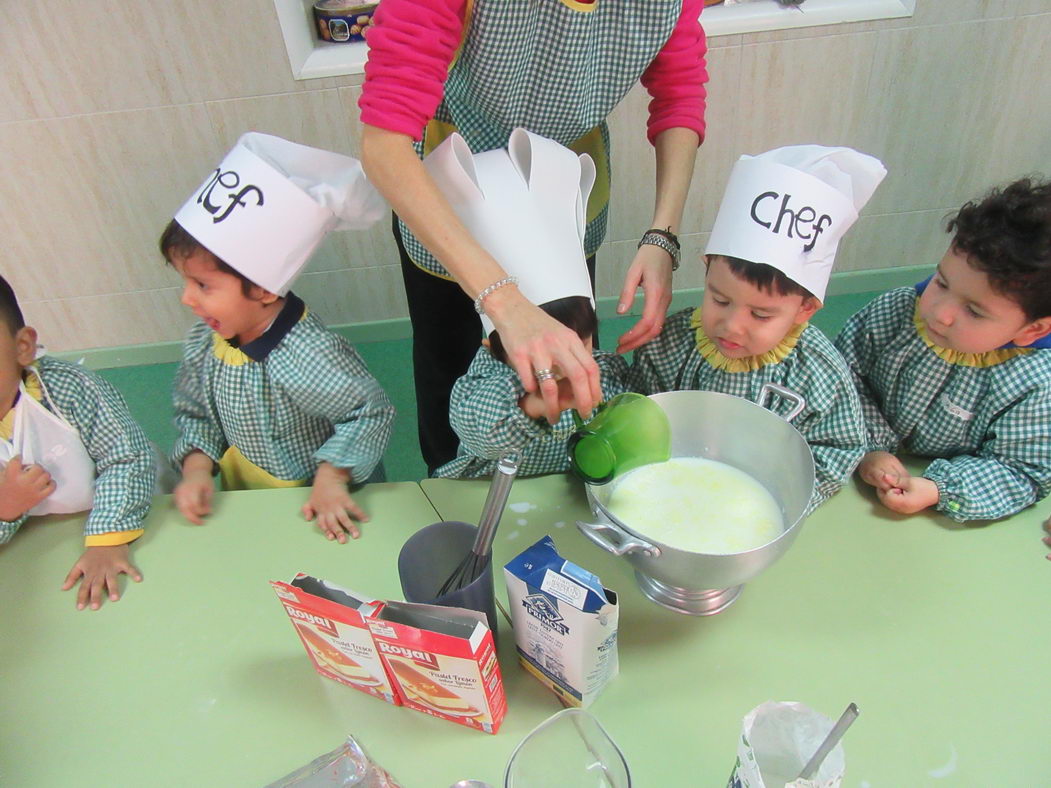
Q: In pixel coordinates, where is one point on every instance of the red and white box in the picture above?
(442, 661)
(331, 622)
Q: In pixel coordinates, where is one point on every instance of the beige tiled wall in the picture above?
(112, 112)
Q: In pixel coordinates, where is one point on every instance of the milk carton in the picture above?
(565, 623)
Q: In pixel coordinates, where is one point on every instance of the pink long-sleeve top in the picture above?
(412, 44)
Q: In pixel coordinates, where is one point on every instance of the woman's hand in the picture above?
(535, 342)
(650, 270)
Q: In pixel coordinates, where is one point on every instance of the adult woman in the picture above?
(555, 67)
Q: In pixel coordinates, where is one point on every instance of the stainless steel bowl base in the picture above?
(689, 601)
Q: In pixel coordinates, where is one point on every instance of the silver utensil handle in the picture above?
(845, 719)
(625, 544)
(798, 400)
(495, 502)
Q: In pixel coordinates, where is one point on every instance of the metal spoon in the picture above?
(845, 719)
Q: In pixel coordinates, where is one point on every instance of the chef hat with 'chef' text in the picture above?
(525, 205)
(789, 208)
(266, 208)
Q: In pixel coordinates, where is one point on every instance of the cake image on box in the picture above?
(442, 662)
(330, 622)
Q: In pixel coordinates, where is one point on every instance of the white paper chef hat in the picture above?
(525, 206)
(268, 205)
(789, 207)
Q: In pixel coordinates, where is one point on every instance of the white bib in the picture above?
(43, 438)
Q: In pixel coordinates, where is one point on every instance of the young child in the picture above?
(958, 367)
(769, 258)
(493, 415)
(69, 444)
(525, 205)
(265, 393)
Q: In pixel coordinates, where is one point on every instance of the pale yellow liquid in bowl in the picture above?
(697, 505)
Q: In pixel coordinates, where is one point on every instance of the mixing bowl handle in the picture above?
(623, 545)
(798, 400)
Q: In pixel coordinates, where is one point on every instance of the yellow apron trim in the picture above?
(587, 8)
(31, 380)
(591, 144)
(988, 359)
(237, 472)
(467, 12)
(111, 539)
(710, 353)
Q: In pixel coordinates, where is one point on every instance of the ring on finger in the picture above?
(544, 374)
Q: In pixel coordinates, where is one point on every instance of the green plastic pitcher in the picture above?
(626, 432)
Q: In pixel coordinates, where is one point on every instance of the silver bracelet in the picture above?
(666, 240)
(478, 302)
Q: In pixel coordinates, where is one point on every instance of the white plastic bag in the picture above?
(347, 766)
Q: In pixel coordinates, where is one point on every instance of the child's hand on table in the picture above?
(331, 506)
(22, 487)
(877, 466)
(193, 495)
(99, 570)
(907, 494)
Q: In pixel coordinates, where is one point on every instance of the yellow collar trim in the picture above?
(31, 380)
(710, 353)
(233, 356)
(988, 359)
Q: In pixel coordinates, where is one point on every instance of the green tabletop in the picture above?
(195, 678)
(939, 632)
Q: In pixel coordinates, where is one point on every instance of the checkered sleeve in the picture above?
(327, 378)
(860, 342)
(484, 410)
(123, 457)
(1008, 472)
(8, 528)
(195, 415)
(832, 422)
(656, 364)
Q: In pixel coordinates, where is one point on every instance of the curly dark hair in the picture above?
(765, 277)
(10, 313)
(176, 241)
(1007, 236)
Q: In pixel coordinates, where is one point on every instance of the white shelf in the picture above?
(311, 59)
(760, 16)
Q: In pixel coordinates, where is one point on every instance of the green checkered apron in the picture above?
(555, 68)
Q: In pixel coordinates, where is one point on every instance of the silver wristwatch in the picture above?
(666, 240)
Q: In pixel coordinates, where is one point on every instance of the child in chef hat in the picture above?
(769, 259)
(265, 394)
(525, 206)
(69, 444)
(958, 368)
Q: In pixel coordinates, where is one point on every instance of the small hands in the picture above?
(22, 487)
(331, 506)
(99, 570)
(896, 488)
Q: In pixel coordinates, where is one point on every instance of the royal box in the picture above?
(442, 661)
(331, 623)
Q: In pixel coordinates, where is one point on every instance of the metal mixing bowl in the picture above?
(739, 433)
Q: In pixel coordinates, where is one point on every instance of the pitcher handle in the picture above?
(798, 400)
(624, 544)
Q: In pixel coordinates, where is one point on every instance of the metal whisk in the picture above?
(472, 565)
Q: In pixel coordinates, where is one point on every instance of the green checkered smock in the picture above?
(300, 396)
(483, 409)
(831, 423)
(989, 426)
(550, 67)
(115, 442)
